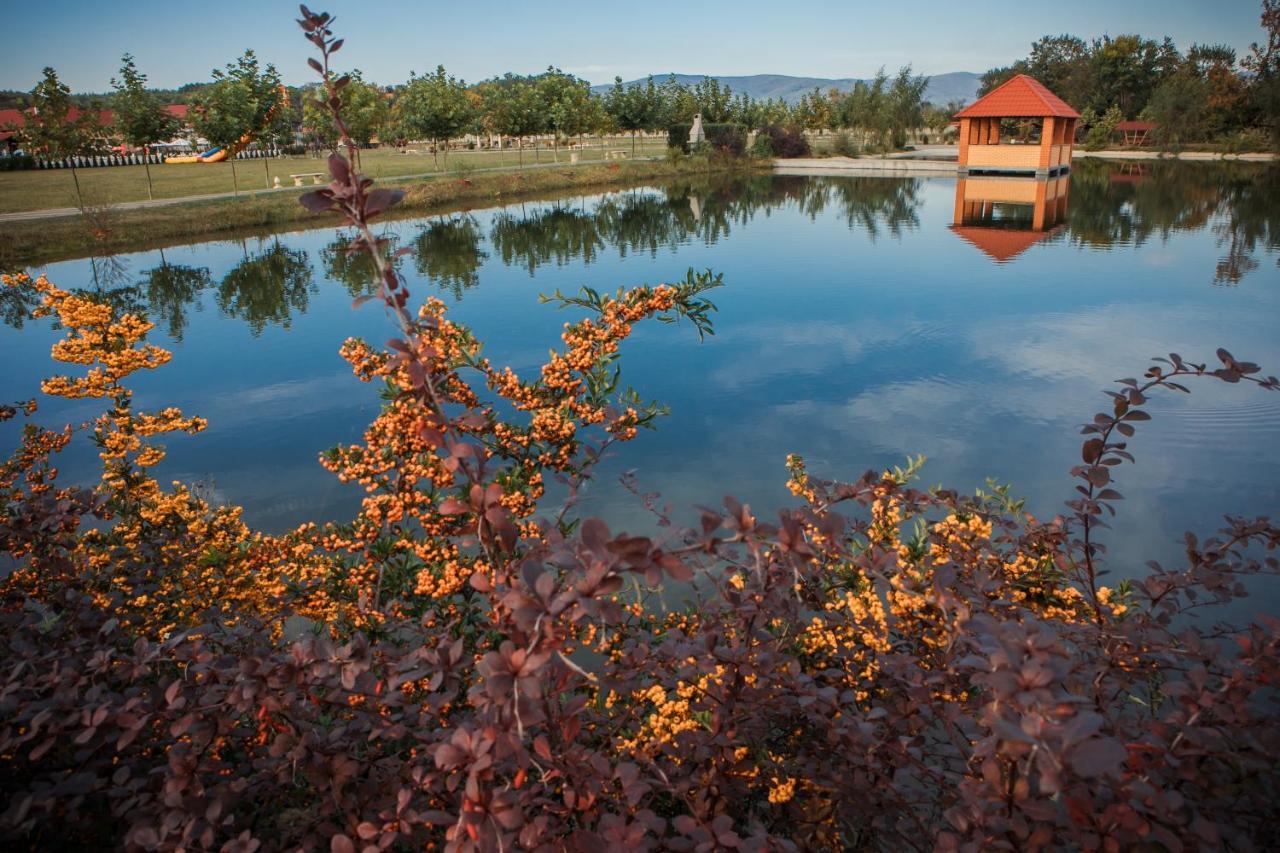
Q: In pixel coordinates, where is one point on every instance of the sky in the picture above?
(180, 42)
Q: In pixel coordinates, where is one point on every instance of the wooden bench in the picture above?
(314, 176)
(616, 154)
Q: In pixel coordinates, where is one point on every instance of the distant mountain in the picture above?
(943, 88)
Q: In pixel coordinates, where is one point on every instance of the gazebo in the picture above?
(983, 148)
(1135, 132)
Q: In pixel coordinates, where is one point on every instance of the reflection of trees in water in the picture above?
(559, 234)
(705, 210)
(266, 288)
(447, 251)
(17, 303)
(355, 270)
(169, 289)
(1251, 219)
(1111, 204)
(1108, 206)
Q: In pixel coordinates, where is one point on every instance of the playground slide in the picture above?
(213, 155)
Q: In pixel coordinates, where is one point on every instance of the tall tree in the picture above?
(1263, 65)
(566, 102)
(141, 119)
(636, 107)
(242, 100)
(436, 107)
(51, 128)
(906, 104)
(364, 110)
(512, 108)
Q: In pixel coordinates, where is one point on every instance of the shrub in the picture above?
(762, 146)
(842, 145)
(729, 138)
(678, 136)
(17, 162)
(786, 141)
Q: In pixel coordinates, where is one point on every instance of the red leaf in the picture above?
(316, 201)
(341, 844)
(1098, 756)
(452, 506)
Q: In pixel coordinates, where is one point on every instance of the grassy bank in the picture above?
(42, 241)
(54, 188)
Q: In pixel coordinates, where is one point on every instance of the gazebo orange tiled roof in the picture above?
(981, 148)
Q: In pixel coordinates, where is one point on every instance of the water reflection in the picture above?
(345, 263)
(170, 290)
(1099, 206)
(266, 288)
(1004, 217)
(1123, 204)
(447, 251)
(854, 328)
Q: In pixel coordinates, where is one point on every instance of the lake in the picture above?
(862, 320)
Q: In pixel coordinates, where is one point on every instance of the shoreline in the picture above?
(941, 167)
(36, 242)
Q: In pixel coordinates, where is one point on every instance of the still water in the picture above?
(862, 320)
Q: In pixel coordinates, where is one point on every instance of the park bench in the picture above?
(616, 154)
(314, 176)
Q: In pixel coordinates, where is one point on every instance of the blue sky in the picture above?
(179, 42)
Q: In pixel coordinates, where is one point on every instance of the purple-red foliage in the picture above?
(787, 141)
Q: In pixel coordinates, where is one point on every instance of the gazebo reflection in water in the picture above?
(1004, 216)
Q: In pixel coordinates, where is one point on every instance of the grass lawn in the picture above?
(53, 188)
(35, 242)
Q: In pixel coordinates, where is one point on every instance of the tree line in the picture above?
(1207, 93)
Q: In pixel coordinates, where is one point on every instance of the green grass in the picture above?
(31, 243)
(54, 188)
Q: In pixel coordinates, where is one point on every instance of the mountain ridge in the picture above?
(943, 88)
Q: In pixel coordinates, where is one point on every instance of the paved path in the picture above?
(57, 212)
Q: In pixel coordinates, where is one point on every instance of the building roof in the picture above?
(1019, 96)
(1001, 244)
(18, 118)
(1136, 125)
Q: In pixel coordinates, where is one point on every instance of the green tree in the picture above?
(141, 119)
(364, 110)
(1263, 65)
(50, 129)
(241, 101)
(566, 102)
(436, 107)
(636, 107)
(1179, 108)
(714, 100)
(814, 112)
(512, 108)
(1126, 69)
(905, 105)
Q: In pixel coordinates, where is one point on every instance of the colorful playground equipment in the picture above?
(220, 153)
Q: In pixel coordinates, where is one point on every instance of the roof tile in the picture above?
(1019, 96)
